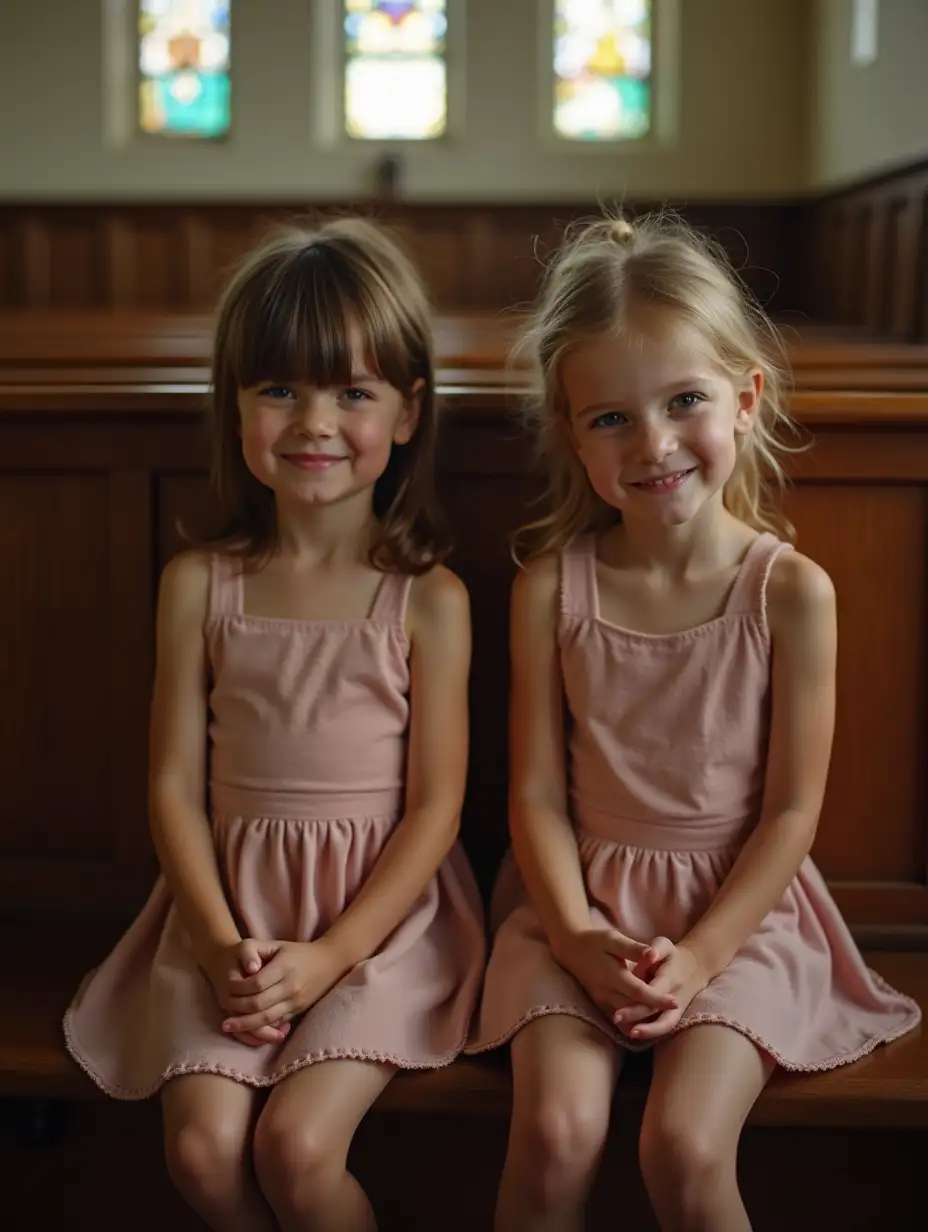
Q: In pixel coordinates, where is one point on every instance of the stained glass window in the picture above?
(184, 88)
(395, 71)
(602, 69)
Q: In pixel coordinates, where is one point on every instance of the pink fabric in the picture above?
(307, 743)
(667, 755)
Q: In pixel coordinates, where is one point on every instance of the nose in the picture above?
(656, 440)
(317, 415)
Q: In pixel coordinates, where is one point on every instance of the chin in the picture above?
(307, 494)
(669, 516)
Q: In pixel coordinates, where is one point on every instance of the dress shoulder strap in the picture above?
(390, 602)
(579, 593)
(225, 585)
(749, 593)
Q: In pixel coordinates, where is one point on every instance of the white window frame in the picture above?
(666, 16)
(329, 60)
(121, 80)
(120, 97)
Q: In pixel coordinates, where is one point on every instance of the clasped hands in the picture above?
(262, 985)
(642, 988)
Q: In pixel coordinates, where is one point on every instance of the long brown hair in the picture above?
(604, 269)
(289, 313)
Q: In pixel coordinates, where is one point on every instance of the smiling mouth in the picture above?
(663, 483)
(312, 461)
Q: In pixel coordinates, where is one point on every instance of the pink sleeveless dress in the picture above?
(307, 760)
(667, 756)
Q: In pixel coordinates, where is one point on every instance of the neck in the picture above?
(324, 534)
(676, 549)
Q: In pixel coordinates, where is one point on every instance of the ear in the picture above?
(749, 396)
(408, 419)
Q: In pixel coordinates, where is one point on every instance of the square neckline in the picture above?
(387, 609)
(728, 611)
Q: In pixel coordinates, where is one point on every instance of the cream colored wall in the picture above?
(742, 91)
(868, 118)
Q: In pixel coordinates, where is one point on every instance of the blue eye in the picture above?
(688, 400)
(354, 394)
(611, 419)
(277, 392)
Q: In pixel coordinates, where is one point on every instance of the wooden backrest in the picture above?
(94, 477)
(69, 343)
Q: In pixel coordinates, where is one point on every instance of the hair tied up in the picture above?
(622, 232)
(606, 272)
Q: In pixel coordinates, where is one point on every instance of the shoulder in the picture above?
(438, 625)
(799, 594)
(184, 586)
(539, 581)
(438, 599)
(534, 610)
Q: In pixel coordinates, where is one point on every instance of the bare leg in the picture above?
(301, 1146)
(564, 1073)
(706, 1080)
(207, 1133)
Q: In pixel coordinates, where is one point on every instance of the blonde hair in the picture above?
(604, 270)
(290, 313)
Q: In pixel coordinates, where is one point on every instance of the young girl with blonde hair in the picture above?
(673, 700)
(317, 926)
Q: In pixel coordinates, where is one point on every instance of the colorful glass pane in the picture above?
(395, 71)
(602, 69)
(184, 87)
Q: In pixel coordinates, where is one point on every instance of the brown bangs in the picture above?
(302, 317)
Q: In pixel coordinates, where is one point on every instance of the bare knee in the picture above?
(296, 1160)
(558, 1144)
(205, 1159)
(685, 1154)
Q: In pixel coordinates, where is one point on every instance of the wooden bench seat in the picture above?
(45, 962)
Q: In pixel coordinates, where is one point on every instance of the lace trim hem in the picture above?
(832, 1062)
(252, 1080)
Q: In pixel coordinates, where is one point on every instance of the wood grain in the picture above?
(119, 465)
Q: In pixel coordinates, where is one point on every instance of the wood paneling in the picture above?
(867, 536)
(160, 278)
(487, 489)
(53, 787)
(866, 255)
(857, 257)
(73, 252)
(94, 479)
(6, 261)
(176, 256)
(75, 653)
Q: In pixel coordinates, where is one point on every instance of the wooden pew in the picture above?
(119, 464)
(72, 345)
(59, 339)
(93, 477)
